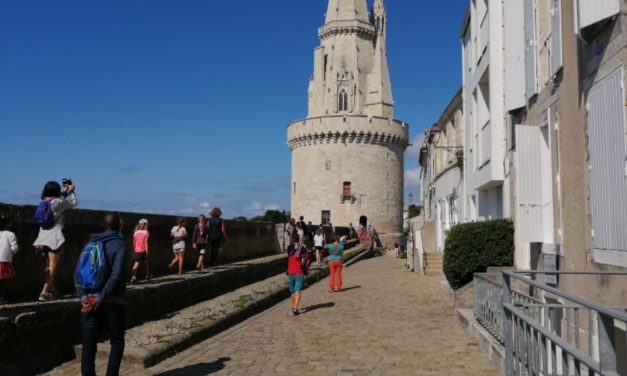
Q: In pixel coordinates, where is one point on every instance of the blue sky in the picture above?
(177, 106)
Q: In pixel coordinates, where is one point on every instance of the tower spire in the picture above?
(347, 10)
(379, 101)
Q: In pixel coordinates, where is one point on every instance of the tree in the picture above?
(273, 216)
(414, 211)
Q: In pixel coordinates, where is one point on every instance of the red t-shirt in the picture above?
(293, 266)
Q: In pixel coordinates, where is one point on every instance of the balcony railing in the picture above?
(573, 338)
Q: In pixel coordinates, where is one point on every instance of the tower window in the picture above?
(343, 101)
(347, 190)
(294, 188)
(326, 61)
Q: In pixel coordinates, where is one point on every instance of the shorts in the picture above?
(43, 250)
(201, 248)
(6, 270)
(296, 282)
(139, 256)
(179, 250)
(319, 248)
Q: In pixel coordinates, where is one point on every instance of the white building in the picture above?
(441, 175)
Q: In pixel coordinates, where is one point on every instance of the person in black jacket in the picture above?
(217, 233)
(106, 308)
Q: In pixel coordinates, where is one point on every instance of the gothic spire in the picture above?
(379, 101)
(347, 10)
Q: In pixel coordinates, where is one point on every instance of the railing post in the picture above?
(506, 298)
(607, 343)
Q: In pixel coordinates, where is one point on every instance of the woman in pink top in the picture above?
(140, 249)
(179, 234)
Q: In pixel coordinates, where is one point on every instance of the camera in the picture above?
(66, 182)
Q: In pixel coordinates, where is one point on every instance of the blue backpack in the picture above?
(92, 269)
(44, 216)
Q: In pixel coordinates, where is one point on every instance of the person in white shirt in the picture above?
(319, 245)
(8, 247)
(49, 242)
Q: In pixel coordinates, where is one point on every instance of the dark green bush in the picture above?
(473, 247)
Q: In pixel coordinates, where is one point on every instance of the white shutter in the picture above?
(530, 49)
(606, 145)
(593, 11)
(514, 54)
(556, 36)
(530, 211)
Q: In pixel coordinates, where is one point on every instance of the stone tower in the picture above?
(347, 156)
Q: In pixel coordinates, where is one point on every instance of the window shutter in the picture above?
(514, 54)
(528, 166)
(593, 11)
(556, 36)
(530, 49)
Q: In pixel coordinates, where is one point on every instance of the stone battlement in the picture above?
(360, 129)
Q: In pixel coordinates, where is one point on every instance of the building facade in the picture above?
(544, 92)
(441, 173)
(348, 154)
(487, 185)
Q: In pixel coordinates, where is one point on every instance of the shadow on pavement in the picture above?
(318, 306)
(350, 288)
(195, 369)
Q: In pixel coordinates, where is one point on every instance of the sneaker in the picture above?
(46, 297)
(133, 280)
(55, 292)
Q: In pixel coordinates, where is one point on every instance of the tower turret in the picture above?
(345, 10)
(379, 101)
(347, 155)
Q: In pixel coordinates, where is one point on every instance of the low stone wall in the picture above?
(49, 331)
(245, 240)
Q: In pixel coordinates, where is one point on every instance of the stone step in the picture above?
(155, 341)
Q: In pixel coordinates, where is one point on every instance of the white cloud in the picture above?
(255, 206)
(204, 205)
(414, 150)
(273, 207)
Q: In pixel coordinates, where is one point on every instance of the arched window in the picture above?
(343, 100)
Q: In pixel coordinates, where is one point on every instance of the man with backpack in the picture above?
(101, 287)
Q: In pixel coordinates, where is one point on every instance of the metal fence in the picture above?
(572, 336)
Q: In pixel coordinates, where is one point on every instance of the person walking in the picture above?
(200, 238)
(217, 233)
(300, 233)
(141, 250)
(8, 247)
(104, 306)
(319, 245)
(335, 264)
(295, 274)
(178, 234)
(50, 240)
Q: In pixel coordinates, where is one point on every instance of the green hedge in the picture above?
(473, 247)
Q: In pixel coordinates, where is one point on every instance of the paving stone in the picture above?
(387, 322)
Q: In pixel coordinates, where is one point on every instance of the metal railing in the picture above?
(572, 336)
(487, 292)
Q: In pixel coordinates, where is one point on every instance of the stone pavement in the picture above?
(388, 321)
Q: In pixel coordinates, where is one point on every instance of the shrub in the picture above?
(473, 247)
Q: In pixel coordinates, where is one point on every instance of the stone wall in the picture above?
(245, 240)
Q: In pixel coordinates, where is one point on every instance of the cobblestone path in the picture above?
(388, 321)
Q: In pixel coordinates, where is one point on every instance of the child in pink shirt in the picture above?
(140, 249)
